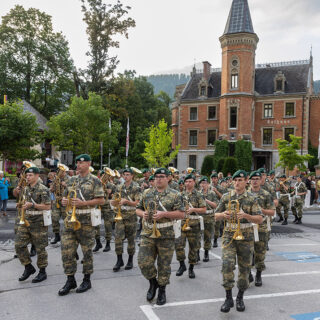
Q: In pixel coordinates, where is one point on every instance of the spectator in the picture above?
(4, 184)
(313, 189)
(318, 189)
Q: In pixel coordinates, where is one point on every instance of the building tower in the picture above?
(238, 43)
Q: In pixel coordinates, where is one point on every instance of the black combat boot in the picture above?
(107, 248)
(239, 301)
(258, 281)
(191, 272)
(299, 221)
(206, 256)
(198, 256)
(295, 219)
(41, 276)
(98, 245)
(85, 285)
(161, 300)
(70, 284)
(28, 271)
(181, 269)
(33, 251)
(285, 222)
(129, 264)
(215, 242)
(56, 238)
(250, 277)
(152, 289)
(228, 303)
(119, 263)
(280, 219)
(77, 256)
(267, 246)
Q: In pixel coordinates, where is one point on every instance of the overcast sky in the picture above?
(171, 34)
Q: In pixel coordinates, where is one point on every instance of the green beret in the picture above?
(228, 178)
(145, 170)
(283, 176)
(33, 170)
(127, 170)
(151, 177)
(255, 174)
(204, 179)
(240, 174)
(162, 171)
(262, 170)
(101, 172)
(214, 175)
(181, 181)
(83, 157)
(189, 176)
(272, 172)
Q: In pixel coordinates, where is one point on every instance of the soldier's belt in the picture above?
(194, 217)
(159, 225)
(209, 211)
(242, 225)
(34, 212)
(84, 211)
(284, 195)
(128, 208)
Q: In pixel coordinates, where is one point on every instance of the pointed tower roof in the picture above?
(239, 19)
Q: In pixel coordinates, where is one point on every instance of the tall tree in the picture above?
(35, 63)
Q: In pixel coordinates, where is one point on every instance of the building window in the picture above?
(267, 136)
(279, 84)
(202, 91)
(289, 112)
(193, 137)
(193, 113)
(234, 81)
(212, 113)
(233, 117)
(212, 137)
(267, 111)
(287, 132)
(193, 161)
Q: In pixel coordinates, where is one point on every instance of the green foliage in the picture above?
(221, 150)
(288, 154)
(157, 149)
(207, 166)
(313, 152)
(230, 166)
(35, 63)
(136, 159)
(243, 153)
(220, 164)
(19, 132)
(83, 126)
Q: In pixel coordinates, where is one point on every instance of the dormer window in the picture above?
(279, 82)
(203, 88)
(202, 91)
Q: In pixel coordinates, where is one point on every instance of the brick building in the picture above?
(242, 100)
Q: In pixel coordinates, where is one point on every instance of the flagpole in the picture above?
(109, 160)
(127, 142)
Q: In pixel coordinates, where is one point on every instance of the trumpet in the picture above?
(58, 188)
(186, 226)
(23, 220)
(117, 198)
(75, 224)
(152, 208)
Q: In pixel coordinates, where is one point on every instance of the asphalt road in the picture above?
(291, 284)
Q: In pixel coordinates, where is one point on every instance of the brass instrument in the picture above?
(107, 173)
(189, 170)
(135, 170)
(186, 226)
(117, 198)
(91, 169)
(152, 209)
(22, 179)
(57, 187)
(117, 174)
(23, 219)
(75, 224)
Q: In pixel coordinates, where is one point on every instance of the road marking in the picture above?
(306, 316)
(289, 274)
(293, 245)
(213, 254)
(149, 313)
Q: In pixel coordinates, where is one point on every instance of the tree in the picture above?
(313, 151)
(35, 63)
(207, 166)
(221, 150)
(105, 23)
(220, 164)
(243, 153)
(83, 126)
(19, 133)
(230, 166)
(288, 154)
(157, 149)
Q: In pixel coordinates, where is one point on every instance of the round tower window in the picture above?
(235, 63)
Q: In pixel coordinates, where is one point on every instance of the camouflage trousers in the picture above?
(126, 229)
(193, 237)
(69, 245)
(217, 225)
(285, 203)
(207, 232)
(57, 214)
(107, 216)
(260, 250)
(36, 234)
(156, 249)
(297, 208)
(240, 250)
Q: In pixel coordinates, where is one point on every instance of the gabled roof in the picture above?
(41, 120)
(239, 19)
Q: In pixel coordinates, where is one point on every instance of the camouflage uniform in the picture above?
(260, 247)
(284, 200)
(36, 233)
(144, 184)
(106, 214)
(217, 224)
(127, 227)
(161, 248)
(174, 185)
(88, 188)
(209, 219)
(240, 250)
(297, 208)
(196, 199)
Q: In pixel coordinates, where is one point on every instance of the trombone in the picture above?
(75, 224)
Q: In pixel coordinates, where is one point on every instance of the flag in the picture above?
(5, 99)
(127, 140)
(319, 147)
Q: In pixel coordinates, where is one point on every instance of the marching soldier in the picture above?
(195, 206)
(32, 228)
(240, 250)
(85, 192)
(268, 208)
(300, 191)
(284, 201)
(212, 201)
(168, 206)
(126, 228)
(172, 184)
(151, 181)
(181, 185)
(144, 182)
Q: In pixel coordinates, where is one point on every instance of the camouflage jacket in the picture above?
(218, 187)
(144, 184)
(169, 199)
(269, 188)
(213, 197)
(174, 185)
(282, 189)
(108, 197)
(300, 188)
(196, 199)
(59, 188)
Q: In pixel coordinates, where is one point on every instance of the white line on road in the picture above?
(213, 254)
(294, 244)
(149, 313)
(289, 274)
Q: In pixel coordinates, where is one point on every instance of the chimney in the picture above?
(206, 70)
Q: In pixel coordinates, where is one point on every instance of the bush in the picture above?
(243, 153)
(230, 166)
(207, 166)
(221, 151)
(220, 164)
